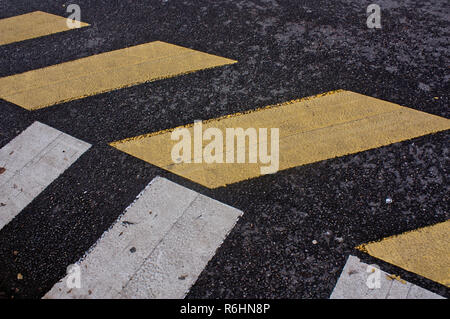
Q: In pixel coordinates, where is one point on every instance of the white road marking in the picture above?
(353, 284)
(156, 249)
(31, 162)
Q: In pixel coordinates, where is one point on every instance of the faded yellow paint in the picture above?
(313, 129)
(32, 25)
(424, 251)
(395, 277)
(104, 72)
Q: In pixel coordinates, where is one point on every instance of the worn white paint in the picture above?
(31, 162)
(156, 249)
(352, 284)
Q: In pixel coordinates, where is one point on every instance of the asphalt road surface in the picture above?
(299, 225)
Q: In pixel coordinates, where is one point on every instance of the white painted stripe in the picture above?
(30, 162)
(156, 249)
(357, 277)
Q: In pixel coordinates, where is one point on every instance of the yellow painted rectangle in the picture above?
(425, 251)
(104, 72)
(32, 25)
(312, 129)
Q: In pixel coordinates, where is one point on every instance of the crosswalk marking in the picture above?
(312, 129)
(30, 162)
(31, 25)
(424, 251)
(104, 72)
(156, 249)
(355, 277)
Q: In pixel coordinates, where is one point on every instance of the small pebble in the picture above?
(314, 242)
(388, 200)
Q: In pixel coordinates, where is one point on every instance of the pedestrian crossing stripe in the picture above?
(359, 280)
(104, 72)
(31, 162)
(424, 251)
(312, 129)
(32, 25)
(156, 249)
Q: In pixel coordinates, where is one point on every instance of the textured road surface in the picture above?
(286, 50)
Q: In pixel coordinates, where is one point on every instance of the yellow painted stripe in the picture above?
(312, 129)
(425, 251)
(103, 72)
(31, 25)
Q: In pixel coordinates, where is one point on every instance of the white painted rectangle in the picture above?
(352, 284)
(156, 249)
(31, 162)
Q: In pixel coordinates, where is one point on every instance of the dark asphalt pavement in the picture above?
(286, 50)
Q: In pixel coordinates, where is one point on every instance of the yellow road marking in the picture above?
(31, 25)
(103, 72)
(310, 130)
(424, 251)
